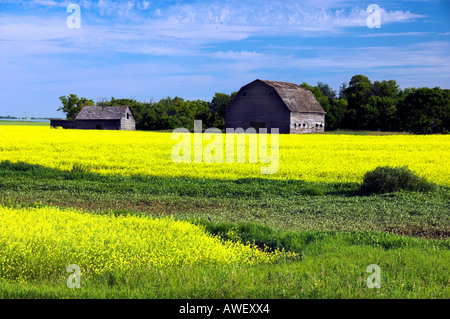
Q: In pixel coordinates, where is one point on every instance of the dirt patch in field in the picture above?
(417, 231)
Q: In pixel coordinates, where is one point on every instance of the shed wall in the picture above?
(63, 123)
(98, 124)
(128, 124)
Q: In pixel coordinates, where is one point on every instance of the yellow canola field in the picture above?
(42, 242)
(321, 157)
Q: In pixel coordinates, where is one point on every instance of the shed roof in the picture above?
(296, 98)
(90, 112)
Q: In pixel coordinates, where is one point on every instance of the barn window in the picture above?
(321, 125)
(317, 125)
(244, 94)
(304, 124)
(128, 116)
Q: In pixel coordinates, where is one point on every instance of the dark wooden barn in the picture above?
(100, 118)
(274, 104)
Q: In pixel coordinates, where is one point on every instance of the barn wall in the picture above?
(260, 104)
(63, 123)
(98, 124)
(128, 124)
(307, 123)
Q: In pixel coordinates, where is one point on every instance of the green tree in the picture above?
(386, 89)
(357, 94)
(368, 115)
(327, 90)
(385, 109)
(219, 103)
(425, 111)
(154, 117)
(342, 89)
(218, 106)
(358, 91)
(72, 105)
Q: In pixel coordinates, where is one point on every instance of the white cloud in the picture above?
(38, 35)
(283, 16)
(238, 55)
(45, 2)
(394, 34)
(200, 22)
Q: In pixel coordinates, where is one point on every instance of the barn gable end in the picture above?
(257, 105)
(274, 104)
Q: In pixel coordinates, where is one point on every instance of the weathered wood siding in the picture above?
(307, 123)
(98, 124)
(128, 122)
(258, 104)
(63, 123)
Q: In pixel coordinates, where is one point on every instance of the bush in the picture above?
(388, 179)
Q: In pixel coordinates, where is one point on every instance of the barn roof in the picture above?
(89, 112)
(296, 98)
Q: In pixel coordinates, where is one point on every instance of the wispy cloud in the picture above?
(393, 34)
(431, 54)
(181, 28)
(288, 15)
(285, 16)
(237, 55)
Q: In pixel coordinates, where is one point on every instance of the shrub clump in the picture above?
(386, 179)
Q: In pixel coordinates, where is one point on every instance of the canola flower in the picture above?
(42, 242)
(321, 157)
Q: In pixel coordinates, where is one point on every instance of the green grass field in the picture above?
(24, 123)
(337, 231)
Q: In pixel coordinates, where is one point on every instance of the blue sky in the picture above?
(153, 49)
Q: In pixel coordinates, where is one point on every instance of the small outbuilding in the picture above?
(100, 118)
(275, 104)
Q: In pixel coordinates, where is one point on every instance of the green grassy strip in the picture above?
(24, 123)
(291, 205)
(77, 179)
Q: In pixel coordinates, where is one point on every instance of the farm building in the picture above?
(100, 118)
(274, 104)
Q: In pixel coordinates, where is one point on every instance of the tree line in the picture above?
(359, 105)
(167, 114)
(382, 105)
